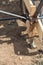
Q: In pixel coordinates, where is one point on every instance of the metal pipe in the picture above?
(4, 19)
(11, 14)
(16, 16)
(41, 17)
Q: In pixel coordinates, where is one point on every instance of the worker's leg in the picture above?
(30, 32)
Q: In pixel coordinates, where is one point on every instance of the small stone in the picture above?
(20, 58)
(18, 52)
(11, 0)
(27, 40)
(3, 2)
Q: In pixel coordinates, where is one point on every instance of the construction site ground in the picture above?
(14, 50)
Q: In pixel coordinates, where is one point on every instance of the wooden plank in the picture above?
(30, 7)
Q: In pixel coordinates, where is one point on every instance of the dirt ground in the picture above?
(13, 48)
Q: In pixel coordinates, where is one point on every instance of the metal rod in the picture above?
(41, 17)
(38, 9)
(11, 14)
(4, 19)
(16, 16)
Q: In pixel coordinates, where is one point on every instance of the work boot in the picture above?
(32, 44)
